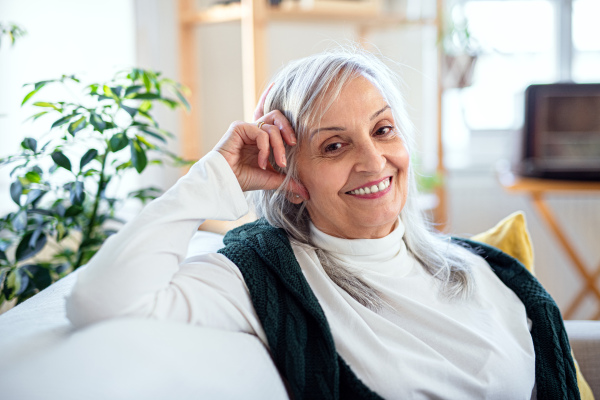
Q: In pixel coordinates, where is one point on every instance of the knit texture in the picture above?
(300, 339)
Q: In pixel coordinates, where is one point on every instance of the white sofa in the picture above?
(43, 357)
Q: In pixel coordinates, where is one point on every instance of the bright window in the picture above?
(518, 42)
(586, 41)
(520, 45)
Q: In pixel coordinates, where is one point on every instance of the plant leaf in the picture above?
(146, 80)
(77, 194)
(77, 126)
(36, 116)
(45, 104)
(130, 110)
(29, 144)
(20, 220)
(33, 177)
(183, 100)
(87, 157)
(172, 104)
(39, 276)
(154, 135)
(97, 122)
(15, 284)
(16, 189)
(138, 156)
(146, 96)
(117, 90)
(143, 140)
(118, 142)
(73, 211)
(34, 196)
(145, 106)
(29, 95)
(123, 166)
(40, 211)
(61, 160)
(27, 249)
(132, 89)
(62, 121)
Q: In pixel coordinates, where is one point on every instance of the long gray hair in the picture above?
(303, 91)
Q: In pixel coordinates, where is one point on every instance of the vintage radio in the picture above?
(562, 132)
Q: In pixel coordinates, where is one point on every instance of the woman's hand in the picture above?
(246, 147)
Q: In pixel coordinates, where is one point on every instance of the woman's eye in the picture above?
(384, 130)
(333, 147)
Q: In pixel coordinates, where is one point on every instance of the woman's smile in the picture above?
(373, 190)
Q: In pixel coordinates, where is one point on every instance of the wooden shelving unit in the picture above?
(254, 15)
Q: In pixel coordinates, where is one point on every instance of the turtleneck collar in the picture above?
(379, 255)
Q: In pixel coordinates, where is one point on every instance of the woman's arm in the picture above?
(137, 271)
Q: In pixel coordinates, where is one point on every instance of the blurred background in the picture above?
(465, 67)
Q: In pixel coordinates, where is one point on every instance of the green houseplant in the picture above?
(460, 48)
(59, 182)
(12, 31)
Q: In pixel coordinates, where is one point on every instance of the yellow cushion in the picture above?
(511, 236)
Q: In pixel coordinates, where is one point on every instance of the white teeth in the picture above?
(373, 189)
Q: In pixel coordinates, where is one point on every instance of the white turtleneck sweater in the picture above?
(421, 347)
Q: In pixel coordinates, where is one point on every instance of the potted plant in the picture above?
(61, 182)
(460, 49)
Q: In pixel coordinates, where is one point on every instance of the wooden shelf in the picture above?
(363, 13)
(215, 14)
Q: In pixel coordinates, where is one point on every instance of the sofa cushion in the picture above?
(144, 359)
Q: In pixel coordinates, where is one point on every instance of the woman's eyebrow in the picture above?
(379, 112)
(341, 128)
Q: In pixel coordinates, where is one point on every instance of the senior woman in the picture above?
(341, 278)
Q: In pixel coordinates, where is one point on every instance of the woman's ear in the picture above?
(296, 192)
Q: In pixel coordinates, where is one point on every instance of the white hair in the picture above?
(303, 91)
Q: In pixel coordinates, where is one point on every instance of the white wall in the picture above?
(92, 39)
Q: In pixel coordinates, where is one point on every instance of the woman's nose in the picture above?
(370, 158)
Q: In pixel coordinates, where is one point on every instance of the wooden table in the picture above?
(538, 189)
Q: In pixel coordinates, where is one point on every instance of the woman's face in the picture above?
(354, 166)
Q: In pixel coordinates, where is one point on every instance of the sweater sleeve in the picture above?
(140, 271)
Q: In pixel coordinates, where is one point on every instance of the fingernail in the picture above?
(283, 161)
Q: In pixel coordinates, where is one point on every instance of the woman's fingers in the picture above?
(247, 148)
(284, 125)
(276, 142)
(279, 120)
(264, 149)
(260, 107)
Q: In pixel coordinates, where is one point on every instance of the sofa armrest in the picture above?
(584, 337)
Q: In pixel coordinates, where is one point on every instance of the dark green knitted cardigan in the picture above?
(300, 340)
